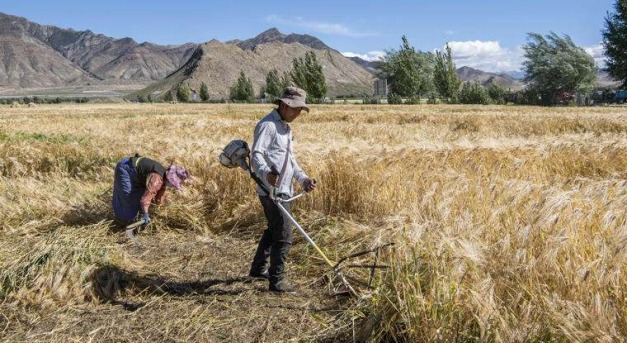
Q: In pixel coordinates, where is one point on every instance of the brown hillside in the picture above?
(468, 74)
(34, 55)
(273, 35)
(219, 64)
(35, 65)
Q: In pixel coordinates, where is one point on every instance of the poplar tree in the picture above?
(409, 72)
(183, 92)
(167, 97)
(204, 92)
(445, 76)
(615, 42)
(242, 90)
(307, 74)
(274, 88)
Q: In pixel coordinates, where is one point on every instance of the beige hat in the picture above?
(293, 97)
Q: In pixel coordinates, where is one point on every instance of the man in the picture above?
(274, 163)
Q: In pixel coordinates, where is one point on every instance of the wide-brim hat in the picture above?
(293, 97)
(176, 175)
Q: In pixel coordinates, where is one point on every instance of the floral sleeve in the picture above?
(154, 190)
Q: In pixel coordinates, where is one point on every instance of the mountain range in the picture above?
(42, 56)
(36, 57)
(219, 64)
(487, 79)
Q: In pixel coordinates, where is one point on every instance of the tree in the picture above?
(473, 93)
(167, 97)
(615, 42)
(496, 94)
(394, 99)
(298, 74)
(445, 76)
(204, 92)
(286, 80)
(409, 72)
(307, 74)
(183, 92)
(242, 90)
(317, 83)
(274, 88)
(556, 66)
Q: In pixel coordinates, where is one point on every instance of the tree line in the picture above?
(306, 73)
(555, 70)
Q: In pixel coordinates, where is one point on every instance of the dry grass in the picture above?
(510, 225)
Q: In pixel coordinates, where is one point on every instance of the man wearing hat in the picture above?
(137, 181)
(274, 163)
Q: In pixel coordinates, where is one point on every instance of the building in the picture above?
(380, 87)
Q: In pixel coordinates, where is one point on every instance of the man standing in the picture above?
(274, 163)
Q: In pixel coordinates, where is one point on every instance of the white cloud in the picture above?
(597, 52)
(320, 27)
(369, 56)
(487, 56)
(491, 56)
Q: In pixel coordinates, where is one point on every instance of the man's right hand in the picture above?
(272, 178)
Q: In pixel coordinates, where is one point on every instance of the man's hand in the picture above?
(309, 184)
(272, 178)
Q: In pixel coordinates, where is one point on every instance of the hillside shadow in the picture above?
(110, 283)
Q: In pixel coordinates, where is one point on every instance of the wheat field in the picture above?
(509, 225)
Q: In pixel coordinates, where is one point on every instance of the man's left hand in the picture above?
(309, 185)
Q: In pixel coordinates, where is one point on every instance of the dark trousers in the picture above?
(127, 191)
(275, 243)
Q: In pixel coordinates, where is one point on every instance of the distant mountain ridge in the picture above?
(468, 74)
(219, 64)
(273, 35)
(368, 65)
(34, 55)
(48, 57)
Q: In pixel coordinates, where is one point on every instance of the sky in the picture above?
(484, 34)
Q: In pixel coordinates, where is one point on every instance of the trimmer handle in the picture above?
(136, 224)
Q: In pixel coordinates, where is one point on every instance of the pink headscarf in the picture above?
(176, 175)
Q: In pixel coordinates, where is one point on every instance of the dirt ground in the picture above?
(204, 282)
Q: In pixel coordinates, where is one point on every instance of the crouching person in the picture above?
(137, 182)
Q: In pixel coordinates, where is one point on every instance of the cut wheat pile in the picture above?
(510, 226)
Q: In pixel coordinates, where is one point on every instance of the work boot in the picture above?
(282, 287)
(278, 257)
(259, 275)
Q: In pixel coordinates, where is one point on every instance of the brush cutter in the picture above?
(237, 154)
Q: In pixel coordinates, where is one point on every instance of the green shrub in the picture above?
(394, 99)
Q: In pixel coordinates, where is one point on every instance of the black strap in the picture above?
(258, 180)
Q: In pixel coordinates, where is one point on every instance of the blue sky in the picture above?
(486, 34)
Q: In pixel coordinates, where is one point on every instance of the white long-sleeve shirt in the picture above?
(270, 145)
